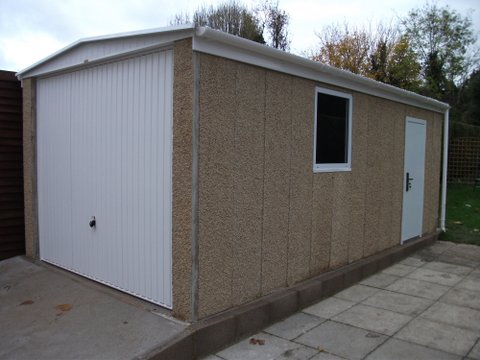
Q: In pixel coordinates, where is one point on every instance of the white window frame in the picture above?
(333, 167)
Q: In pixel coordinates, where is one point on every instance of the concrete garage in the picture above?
(201, 171)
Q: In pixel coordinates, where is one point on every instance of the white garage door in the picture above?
(105, 151)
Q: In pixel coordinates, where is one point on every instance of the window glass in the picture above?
(332, 138)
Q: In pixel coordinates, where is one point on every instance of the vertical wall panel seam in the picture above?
(235, 205)
(290, 175)
(195, 183)
(263, 180)
(365, 181)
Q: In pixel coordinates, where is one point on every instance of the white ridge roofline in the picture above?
(174, 28)
(234, 47)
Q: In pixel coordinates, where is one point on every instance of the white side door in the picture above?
(413, 178)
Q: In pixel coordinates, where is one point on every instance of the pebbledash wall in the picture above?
(266, 221)
(250, 216)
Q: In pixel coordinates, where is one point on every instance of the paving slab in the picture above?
(418, 288)
(458, 316)
(426, 255)
(465, 251)
(475, 352)
(462, 297)
(328, 308)
(50, 314)
(342, 340)
(443, 337)
(448, 268)
(397, 302)
(294, 326)
(399, 270)
(413, 261)
(394, 314)
(470, 283)
(440, 247)
(373, 319)
(395, 349)
(356, 293)
(273, 348)
(379, 280)
(475, 274)
(326, 356)
(436, 277)
(457, 260)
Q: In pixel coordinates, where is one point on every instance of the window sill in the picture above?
(325, 169)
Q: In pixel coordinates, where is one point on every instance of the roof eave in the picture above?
(336, 76)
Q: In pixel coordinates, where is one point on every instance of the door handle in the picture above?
(408, 182)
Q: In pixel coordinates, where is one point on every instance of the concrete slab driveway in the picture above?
(425, 307)
(47, 313)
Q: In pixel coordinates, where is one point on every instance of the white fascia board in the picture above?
(235, 48)
(177, 33)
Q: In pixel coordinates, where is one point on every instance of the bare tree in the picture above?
(267, 21)
(276, 23)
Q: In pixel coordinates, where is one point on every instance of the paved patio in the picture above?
(425, 307)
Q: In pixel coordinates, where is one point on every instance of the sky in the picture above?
(30, 30)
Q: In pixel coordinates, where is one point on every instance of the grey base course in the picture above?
(209, 335)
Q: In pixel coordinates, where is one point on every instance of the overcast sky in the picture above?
(33, 29)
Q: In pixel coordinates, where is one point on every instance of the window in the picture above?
(333, 131)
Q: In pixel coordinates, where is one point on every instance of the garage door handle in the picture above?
(408, 182)
(93, 222)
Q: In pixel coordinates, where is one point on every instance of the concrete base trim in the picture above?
(216, 332)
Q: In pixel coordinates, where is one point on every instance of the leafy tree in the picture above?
(442, 39)
(344, 48)
(469, 101)
(383, 55)
(403, 69)
(235, 18)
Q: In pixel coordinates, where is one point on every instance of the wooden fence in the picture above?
(464, 159)
(12, 228)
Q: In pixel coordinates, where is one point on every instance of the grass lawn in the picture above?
(463, 214)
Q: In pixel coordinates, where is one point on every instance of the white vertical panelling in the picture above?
(105, 150)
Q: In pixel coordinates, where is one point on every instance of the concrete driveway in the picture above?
(48, 313)
(425, 307)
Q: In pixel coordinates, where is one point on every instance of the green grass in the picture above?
(463, 214)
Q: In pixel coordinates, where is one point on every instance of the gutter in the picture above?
(443, 210)
(234, 47)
